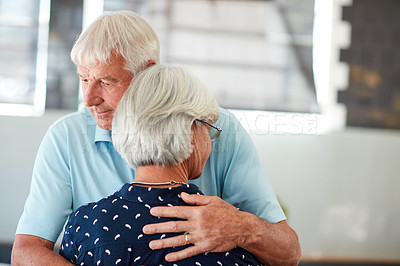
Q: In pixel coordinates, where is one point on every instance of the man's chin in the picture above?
(104, 123)
(103, 120)
(105, 126)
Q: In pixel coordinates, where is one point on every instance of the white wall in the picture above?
(340, 190)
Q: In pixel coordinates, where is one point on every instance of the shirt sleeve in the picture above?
(50, 199)
(245, 184)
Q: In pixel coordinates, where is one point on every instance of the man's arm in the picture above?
(33, 250)
(216, 226)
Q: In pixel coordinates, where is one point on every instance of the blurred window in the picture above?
(251, 54)
(35, 67)
(62, 80)
(22, 56)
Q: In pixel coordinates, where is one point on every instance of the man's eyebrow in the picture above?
(109, 79)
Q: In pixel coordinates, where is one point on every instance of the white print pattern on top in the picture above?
(109, 232)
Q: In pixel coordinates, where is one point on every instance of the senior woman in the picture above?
(163, 128)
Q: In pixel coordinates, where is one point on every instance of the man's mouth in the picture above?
(102, 112)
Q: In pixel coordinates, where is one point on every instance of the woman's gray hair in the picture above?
(152, 122)
(124, 33)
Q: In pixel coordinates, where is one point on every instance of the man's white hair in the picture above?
(152, 122)
(123, 33)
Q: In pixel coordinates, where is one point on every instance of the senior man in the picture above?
(77, 163)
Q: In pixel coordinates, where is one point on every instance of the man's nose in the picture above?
(91, 94)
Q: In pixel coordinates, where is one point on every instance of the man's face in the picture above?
(103, 86)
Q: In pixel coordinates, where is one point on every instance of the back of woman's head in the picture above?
(152, 123)
(123, 33)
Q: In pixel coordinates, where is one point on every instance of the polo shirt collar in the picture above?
(102, 135)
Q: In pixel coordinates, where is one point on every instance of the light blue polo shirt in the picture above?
(77, 163)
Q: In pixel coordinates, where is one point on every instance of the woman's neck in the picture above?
(160, 174)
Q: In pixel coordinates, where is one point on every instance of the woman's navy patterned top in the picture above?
(109, 232)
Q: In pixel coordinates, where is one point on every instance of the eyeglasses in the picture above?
(215, 130)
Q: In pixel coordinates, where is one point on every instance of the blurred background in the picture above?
(315, 83)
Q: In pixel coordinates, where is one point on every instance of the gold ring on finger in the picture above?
(187, 238)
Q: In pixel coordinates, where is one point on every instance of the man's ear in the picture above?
(150, 63)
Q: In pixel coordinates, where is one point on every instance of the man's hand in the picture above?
(216, 226)
(213, 226)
